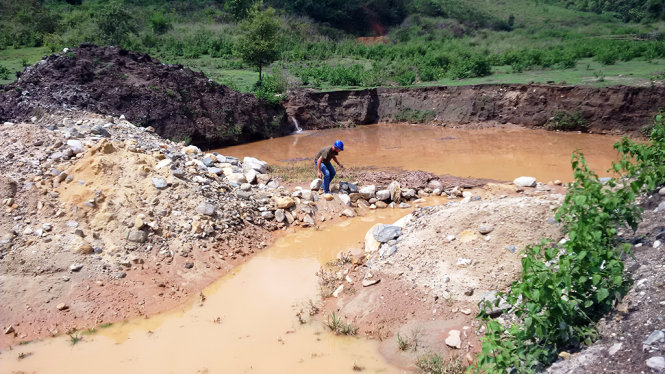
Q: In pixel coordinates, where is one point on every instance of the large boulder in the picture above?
(316, 184)
(383, 195)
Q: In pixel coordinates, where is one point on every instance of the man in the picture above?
(323, 165)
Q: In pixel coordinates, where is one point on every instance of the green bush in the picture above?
(565, 121)
(4, 72)
(566, 287)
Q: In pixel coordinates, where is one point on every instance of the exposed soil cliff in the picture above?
(179, 103)
(617, 109)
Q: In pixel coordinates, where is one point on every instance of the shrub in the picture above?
(566, 287)
(565, 121)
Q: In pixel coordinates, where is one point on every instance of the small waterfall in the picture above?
(295, 123)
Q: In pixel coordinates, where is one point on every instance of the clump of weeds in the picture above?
(434, 364)
(337, 325)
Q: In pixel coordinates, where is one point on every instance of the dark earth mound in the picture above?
(179, 103)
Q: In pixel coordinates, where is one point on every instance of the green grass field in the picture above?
(16, 60)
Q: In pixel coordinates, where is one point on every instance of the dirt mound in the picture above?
(179, 103)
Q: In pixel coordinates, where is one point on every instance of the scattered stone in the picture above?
(383, 233)
(267, 215)
(251, 176)
(9, 330)
(463, 261)
(381, 204)
(189, 265)
(453, 340)
(345, 199)
(348, 213)
(237, 178)
(370, 282)
(614, 349)
(328, 197)
(511, 248)
(75, 267)
(62, 306)
(338, 291)
(137, 236)
(178, 173)
(75, 145)
(100, 130)
(654, 337)
(485, 229)
(163, 164)
(525, 182)
(205, 209)
(404, 205)
(245, 187)
(656, 363)
(159, 183)
(435, 184)
(279, 215)
(468, 292)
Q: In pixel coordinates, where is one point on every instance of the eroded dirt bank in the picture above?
(617, 109)
(178, 103)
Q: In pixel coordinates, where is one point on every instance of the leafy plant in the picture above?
(565, 288)
(566, 121)
(402, 343)
(433, 364)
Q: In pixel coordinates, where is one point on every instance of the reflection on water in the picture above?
(497, 153)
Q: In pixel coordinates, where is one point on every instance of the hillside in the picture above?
(334, 44)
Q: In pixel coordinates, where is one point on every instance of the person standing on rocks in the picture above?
(323, 165)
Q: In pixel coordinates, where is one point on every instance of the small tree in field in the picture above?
(259, 41)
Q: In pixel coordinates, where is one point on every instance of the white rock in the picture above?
(368, 191)
(75, 145)
(316, 184)
(383, 195)
(164, 163)
(463, 261)
(656, 363)
(191, 149)
(525, 182)
(345, 199)
(250, 175)
(614, 349)
(453, 340)
(338, 291)
(657, 244)
(371, 244)
(251, 163)
(661, 191)
(237, 178)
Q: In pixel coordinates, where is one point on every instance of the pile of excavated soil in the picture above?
(177, 102)
(446, 259)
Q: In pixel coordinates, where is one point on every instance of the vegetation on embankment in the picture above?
(421, 42)
(567, 286)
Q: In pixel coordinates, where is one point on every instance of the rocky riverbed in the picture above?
(103, 220)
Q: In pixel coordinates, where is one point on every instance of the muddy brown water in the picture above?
(257, 330)
(248, 321)
(497, 153)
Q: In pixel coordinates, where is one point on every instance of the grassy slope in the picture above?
(530, 20)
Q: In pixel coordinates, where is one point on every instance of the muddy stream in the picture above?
(248, 323)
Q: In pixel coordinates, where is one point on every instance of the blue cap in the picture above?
(339, 145)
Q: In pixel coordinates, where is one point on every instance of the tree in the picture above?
(239, 9)
(115, 24)
(258, 44)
